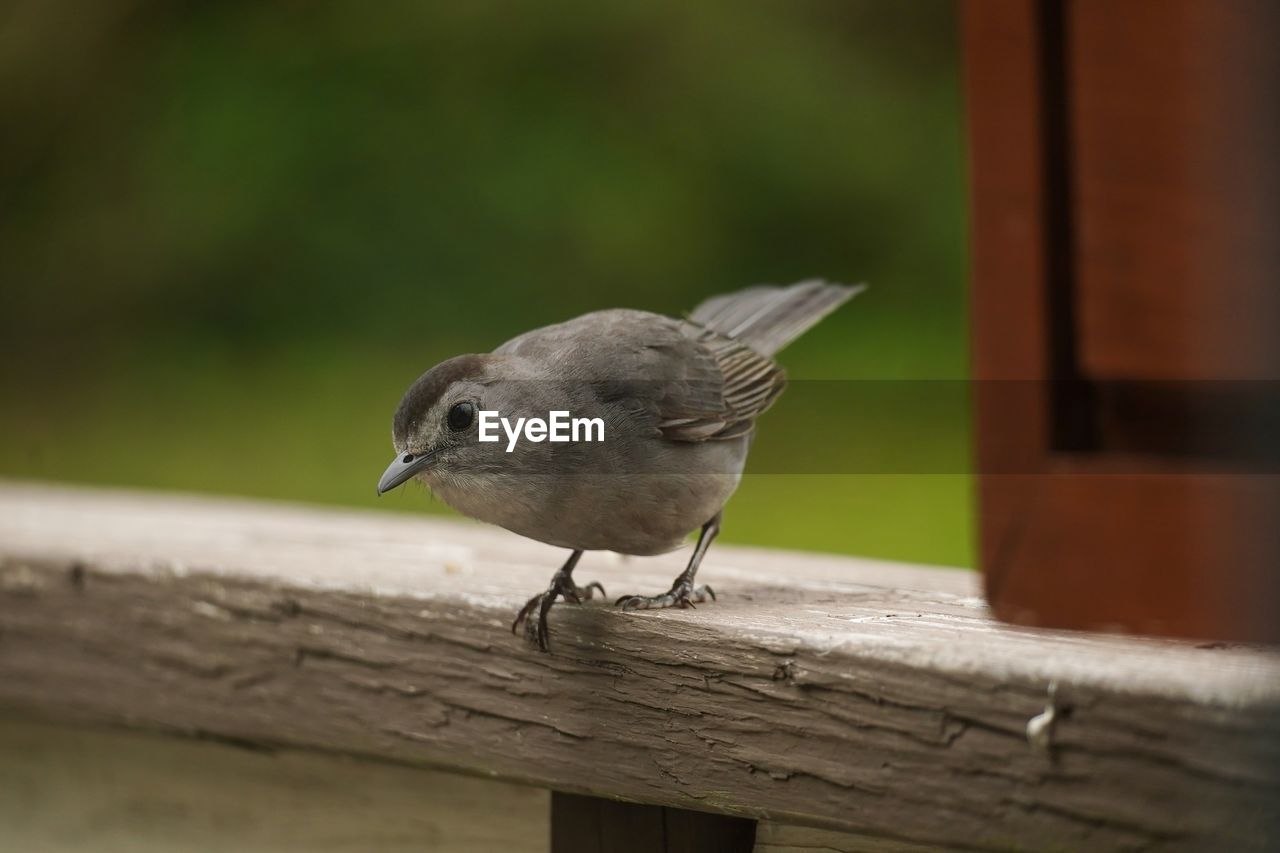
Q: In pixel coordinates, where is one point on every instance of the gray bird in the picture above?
(677, 399)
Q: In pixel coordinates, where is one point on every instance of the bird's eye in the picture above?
(461, 416)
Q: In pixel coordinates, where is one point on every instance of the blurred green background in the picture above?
(232, 234)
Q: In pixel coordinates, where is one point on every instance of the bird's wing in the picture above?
(748, 384)
(692, 383)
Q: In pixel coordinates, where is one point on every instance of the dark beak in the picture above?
(402, 468)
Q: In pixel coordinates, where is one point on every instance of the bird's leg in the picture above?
(561, 585)
(682, 593)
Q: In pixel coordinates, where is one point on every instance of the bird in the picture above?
(677, 399)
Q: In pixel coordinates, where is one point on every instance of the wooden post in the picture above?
(1126, 206)
(588, 824)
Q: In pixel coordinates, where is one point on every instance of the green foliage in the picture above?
(235, 232)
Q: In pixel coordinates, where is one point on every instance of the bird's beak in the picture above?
(402, 468)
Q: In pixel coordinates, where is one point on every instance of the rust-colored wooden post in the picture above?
(1126, 302)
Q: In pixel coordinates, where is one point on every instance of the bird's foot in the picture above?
(536, 630)
(682, 594)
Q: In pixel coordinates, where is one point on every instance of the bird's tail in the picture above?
(768, 318)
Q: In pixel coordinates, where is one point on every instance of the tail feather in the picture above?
(768, 318)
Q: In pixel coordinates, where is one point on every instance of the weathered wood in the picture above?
(104, 790)
(848, 694)
(65, 789)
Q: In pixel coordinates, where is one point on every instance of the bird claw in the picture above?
(536, 630)
(683, 594)
(577, 593)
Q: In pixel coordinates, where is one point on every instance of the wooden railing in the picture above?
(877, 703)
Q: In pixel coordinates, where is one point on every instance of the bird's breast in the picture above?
(648, 507)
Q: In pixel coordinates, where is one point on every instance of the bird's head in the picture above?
(435, 425)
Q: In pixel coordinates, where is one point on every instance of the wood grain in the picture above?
(865, 697)
(74, 789)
